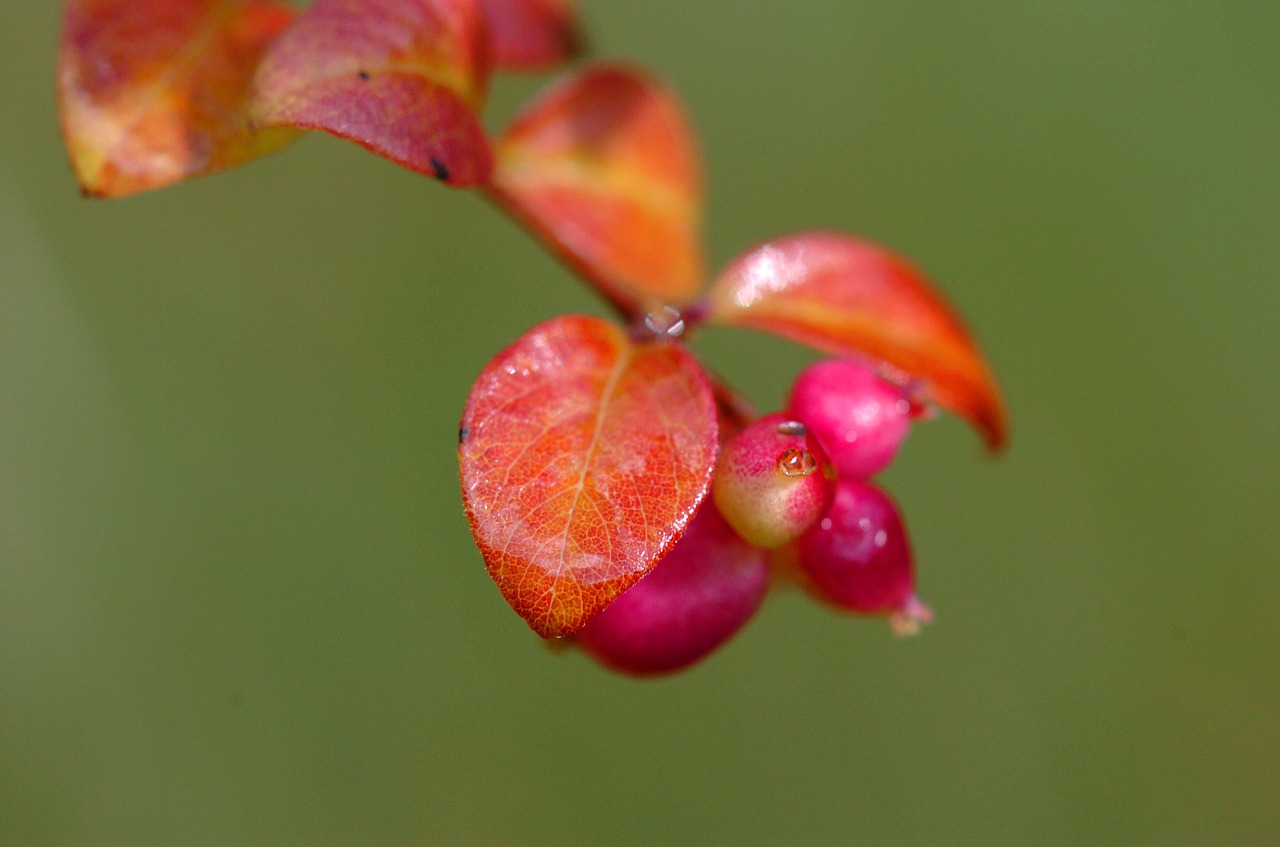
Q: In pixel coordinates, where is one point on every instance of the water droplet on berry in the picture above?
(791, 428)
(767, 484)
(797, 462)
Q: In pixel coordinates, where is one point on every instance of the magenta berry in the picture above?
(859, 417)
(773, 481)
(858, 557)
(697, 597)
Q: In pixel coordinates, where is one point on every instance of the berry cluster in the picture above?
(791, 490)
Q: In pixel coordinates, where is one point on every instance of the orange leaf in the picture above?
(531, 34)
(583, 457)
(402, 78)
(603, 167)
(849, 297)
(152, 93)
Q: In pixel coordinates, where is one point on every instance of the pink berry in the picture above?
(703, 592)
(858, 557)
(773, 481)
(857, 415)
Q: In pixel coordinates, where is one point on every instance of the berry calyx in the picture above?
(859, 417)
(858, 557)
(703, 592)
(773, 481)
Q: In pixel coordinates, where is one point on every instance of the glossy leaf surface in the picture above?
(583, 456)
(531, 34)
(604, 168)
(152, 93)
(402, 78)
(849, 297)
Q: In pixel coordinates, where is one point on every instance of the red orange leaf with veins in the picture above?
(604, 168)
(531, 34)
(583, 456)
(152, 93)
(402, 78)
(849, 297)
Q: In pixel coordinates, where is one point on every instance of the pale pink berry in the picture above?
(697, 597)
(859, 417)
(858, 557)
(773, 481)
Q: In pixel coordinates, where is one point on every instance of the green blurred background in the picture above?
(239, 603)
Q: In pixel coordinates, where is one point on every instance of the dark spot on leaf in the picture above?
(364, 75)
(438, 168)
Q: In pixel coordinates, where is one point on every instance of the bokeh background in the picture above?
(239, 603)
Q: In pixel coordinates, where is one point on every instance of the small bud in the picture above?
(703, 592)
(773, 481)
(858, 557)
(859, 417)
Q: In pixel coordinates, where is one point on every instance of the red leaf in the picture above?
(152, 93)
(583, 457)
(531, 35)
(849, 297)
(402, 78)
(603, 167)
